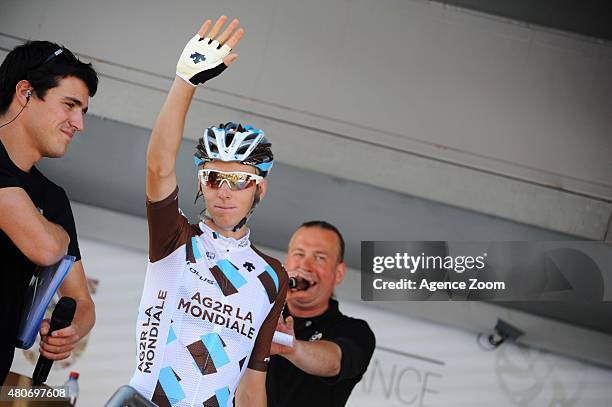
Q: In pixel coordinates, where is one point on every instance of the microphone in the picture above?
(298, 283)
(61, 318)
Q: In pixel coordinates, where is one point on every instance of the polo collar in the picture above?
(330, 315)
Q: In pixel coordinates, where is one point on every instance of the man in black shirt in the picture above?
(331, 351)
(44, 94)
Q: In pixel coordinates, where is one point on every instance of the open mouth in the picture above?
(311, 284)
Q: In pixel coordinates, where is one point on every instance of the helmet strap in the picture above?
(246, 218)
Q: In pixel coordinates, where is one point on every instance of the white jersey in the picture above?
(208, 311)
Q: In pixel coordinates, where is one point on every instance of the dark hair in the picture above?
(327, 226)
(39, 63)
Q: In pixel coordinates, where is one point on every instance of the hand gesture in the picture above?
(207, 54)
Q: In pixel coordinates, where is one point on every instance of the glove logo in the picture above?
(197, 57)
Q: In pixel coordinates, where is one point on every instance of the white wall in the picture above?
(419, 363)
(468, 109)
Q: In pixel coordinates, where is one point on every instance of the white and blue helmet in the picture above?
(234, 143)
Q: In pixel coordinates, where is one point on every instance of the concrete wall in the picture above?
(475, 111)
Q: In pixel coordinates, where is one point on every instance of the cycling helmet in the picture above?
(232, 142)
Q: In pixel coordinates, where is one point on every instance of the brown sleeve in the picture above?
(261, 350)
(169, 229)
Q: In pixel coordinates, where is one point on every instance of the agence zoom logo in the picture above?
(404, 261)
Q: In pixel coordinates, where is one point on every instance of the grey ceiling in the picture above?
(587, 17)
(105, 167)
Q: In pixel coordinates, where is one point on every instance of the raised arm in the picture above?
(205, 56)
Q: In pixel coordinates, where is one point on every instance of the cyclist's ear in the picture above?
(263, 187)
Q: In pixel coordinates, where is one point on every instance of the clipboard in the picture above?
(43, 286)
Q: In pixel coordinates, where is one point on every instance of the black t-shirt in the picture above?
(15, 269)
(286, 385)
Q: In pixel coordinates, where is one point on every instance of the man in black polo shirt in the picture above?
(44, 93)
(331, 351)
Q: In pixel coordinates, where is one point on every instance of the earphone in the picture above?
(28, 95)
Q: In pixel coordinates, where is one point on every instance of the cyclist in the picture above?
(211, 300)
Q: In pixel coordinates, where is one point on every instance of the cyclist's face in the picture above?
(228, 207)
(313, 254)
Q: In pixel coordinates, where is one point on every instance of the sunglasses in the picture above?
(50, 58)
(53, 55)
(236, 180)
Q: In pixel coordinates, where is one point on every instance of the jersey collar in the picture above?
(226, 242)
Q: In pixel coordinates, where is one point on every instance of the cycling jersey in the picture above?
(208, 311)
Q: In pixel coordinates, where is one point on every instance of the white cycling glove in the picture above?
(201, 60)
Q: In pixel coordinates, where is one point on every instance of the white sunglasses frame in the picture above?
(203, 174)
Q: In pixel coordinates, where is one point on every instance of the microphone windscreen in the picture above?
(64, 310)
